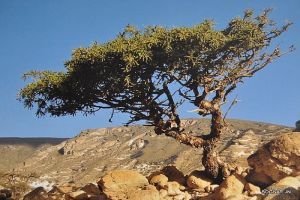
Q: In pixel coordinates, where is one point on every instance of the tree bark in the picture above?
(183, 138)
(210, 160)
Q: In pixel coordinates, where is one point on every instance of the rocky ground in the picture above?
(76, 163)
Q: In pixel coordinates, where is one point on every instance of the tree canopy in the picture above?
(132, 72)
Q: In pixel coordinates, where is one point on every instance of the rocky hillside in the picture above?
(273, 174)
(95, 152)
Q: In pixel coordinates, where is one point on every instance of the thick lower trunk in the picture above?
(214, 167)
(210, 160)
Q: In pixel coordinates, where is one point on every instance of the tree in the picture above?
(149, 73)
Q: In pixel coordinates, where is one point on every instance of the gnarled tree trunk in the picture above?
(214, 167)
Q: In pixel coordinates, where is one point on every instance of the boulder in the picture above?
(159, 180)
(285, 189)
(198, 180)
(278, 158)
(38, 193)
(126, 184)
(121, 180)
(233, 185)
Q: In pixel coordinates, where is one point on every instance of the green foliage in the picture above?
(134, 72)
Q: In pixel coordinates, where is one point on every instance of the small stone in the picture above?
(239, 170)
(173, 188)
(181, 188)
(159, 180)
(244, 174)
(198, 180)
(252, 189)
(211, 188)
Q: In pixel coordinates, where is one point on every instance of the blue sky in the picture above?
(40, 35)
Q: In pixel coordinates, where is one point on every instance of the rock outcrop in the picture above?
(277, 159)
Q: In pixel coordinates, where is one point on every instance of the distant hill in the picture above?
(15, 150)
(30, 141)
